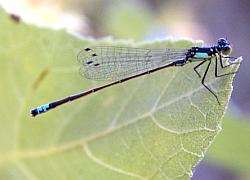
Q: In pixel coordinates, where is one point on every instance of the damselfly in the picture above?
(125, 63)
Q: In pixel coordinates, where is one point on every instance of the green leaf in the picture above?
(155, 127)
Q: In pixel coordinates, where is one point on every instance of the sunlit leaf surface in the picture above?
(155, 127)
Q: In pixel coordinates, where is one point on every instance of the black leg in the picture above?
(198, 66)
(203, 80)
(228, 57)
(216, 67)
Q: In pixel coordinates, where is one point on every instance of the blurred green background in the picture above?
(140, 20)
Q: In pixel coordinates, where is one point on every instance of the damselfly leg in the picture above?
(230, 62)
(203, 81)
(195, 68)
(223, 66)
(216, 71)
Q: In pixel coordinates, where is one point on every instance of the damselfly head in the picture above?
(224, 46)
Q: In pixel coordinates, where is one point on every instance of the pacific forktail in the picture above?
(126, 63)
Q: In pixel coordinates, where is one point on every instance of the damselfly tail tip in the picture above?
(34, 112)
(40, 109)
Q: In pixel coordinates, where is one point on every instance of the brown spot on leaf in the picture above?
(15, 17)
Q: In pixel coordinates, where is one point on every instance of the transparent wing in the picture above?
(109, 63)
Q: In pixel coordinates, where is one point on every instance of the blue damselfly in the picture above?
(125, 63)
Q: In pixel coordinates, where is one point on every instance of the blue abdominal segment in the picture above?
(43, 108)
(40, 109)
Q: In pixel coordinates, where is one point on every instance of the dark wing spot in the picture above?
(94, 54)
(87, 49)
(96, 64)
(89, 62)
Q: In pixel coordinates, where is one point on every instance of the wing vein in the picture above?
(112, 63)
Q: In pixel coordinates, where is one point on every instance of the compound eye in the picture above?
(227, 50)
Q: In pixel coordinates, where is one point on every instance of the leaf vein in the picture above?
(108, 166)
